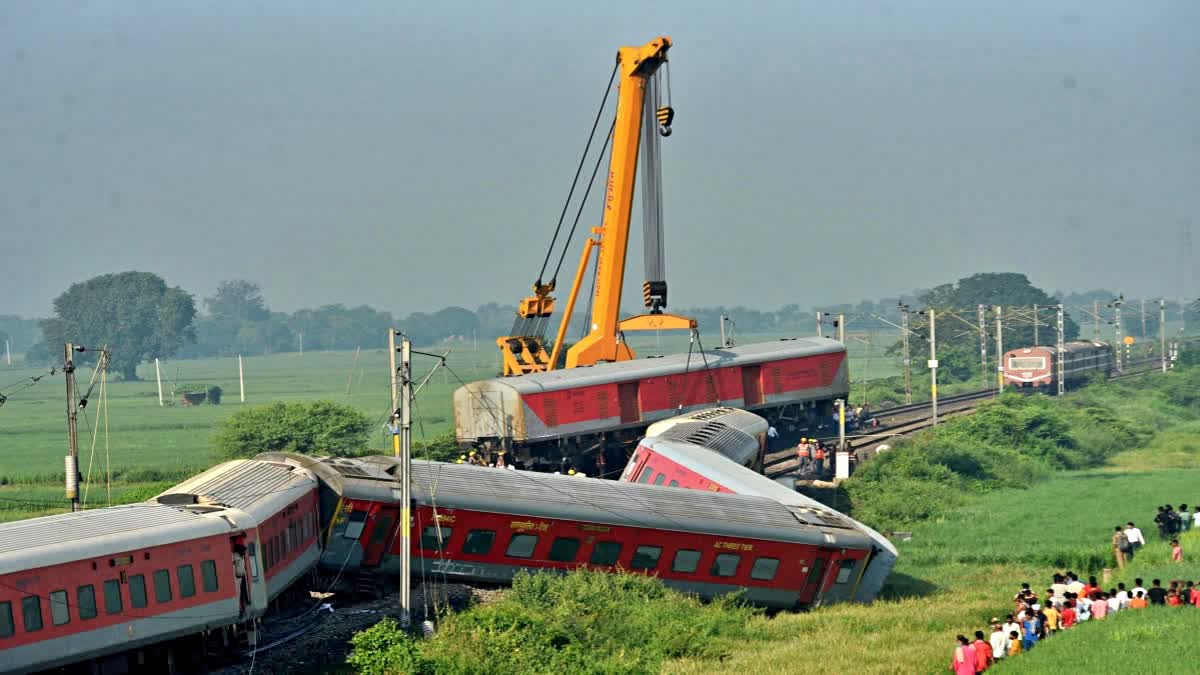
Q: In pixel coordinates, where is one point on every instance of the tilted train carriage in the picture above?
(587, 413)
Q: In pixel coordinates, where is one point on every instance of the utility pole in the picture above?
(1117, 346)
(1059, 366)
(1096, 317)
(7, 351)
(1036, 321)
(301, 343)
(72, 459)
(820, 332)
(841, 328)
(406, 395)
(241, 380)
(999, 350)
(723, 343)
(1143, 318)
(933, 365)
(907, 356)
(1162, 332)
(981, 317)
(395, 385)
(158, 378)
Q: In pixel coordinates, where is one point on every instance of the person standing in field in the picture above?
(1138, 601)
(998, 640)
(1011, 625)
(963, 661)
(1083, 608)
(1196, 518)
(1100, 606)
(1014, 643)
(1122, 596)
(1137, 586)
(1158, 595)
(1176, 551)
(1173, 599)
(1120, 546)
(1185, 518)
(1030, 629)
(1074, 585)
(983, 652)
(1162, 521)
(1136, 540)
(1069, 614)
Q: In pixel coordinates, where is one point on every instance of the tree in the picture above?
(237, 300)
(135, 314)
(313, 427)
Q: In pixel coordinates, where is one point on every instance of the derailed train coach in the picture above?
(590, 413)
(483, 525)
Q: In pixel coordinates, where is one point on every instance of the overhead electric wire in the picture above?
(583, 202)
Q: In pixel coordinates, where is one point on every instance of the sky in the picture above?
(413, 155)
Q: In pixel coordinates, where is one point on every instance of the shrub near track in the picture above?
(581, 622)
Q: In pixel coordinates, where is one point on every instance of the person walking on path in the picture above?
(963, 661)
(1120, 546)
(1014, 643)
(983, 652)
(1030, 630)
(1135, 537)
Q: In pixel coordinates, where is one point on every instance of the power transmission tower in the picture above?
(1061, 352)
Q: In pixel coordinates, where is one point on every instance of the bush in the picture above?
(317, 426)
(580, 622)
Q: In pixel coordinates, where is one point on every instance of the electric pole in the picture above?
(722, 321)
(981, 317)
(72, 459)
(1143, 318)
(1059, 366)
(406, 485)
(1036, 321)
(820, 332)
(933, 365)
(841, 328)
(1116, 304)
(1162, 332)
(1096, 318)
(999, 350)
(907, 356)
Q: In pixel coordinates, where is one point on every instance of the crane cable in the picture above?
(578, 170)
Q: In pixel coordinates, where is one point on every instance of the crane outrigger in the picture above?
(638, 109)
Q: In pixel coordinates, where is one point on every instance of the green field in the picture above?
(151, 442)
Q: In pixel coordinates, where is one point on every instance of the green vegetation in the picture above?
(581, 622)
(134, 313)
(318, 427)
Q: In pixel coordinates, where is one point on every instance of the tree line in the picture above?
(142, 318)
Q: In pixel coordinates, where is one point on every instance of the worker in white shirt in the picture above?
(1136, 540)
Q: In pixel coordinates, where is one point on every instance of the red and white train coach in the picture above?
(122, 586)
(680, 464)
(546, 416)
(1035, 367)
(481, 524)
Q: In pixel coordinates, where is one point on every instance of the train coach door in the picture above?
(751, 385)
(814, 580)
(379, 536)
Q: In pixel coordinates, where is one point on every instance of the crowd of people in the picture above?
(1069, 602)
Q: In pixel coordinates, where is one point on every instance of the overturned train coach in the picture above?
(483, 525)
(588, 414)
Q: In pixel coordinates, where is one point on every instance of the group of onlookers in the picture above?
(1067, 603)
(1128, 539)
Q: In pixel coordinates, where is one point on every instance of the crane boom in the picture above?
(524, 351)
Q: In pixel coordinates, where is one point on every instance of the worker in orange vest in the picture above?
(819, 457)
(804, 454)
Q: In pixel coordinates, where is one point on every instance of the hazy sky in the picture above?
(414, 155)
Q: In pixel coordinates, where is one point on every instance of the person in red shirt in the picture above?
(1173, 599)
(1069, 615)
(983, 652)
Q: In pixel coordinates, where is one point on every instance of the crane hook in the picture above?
(665, 115)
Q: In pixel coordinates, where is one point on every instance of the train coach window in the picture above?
(844, 571)
(252, 549)
(564, 549)
(521, 546)
(354, 524)
(479, 542)
(208, 576)
(137, 591)
(187, 581)
(383, 525)
(726, 564)
(59, 614)
(764, 569)
(112, 597)
(646, 473)
(6, 620)
(162, 586)
(31, 612)
(85, 600)
(430, 540)
(686, 561)
(606, 553)
(646, 557)
(673, 483)
(814, 572)
(660, 479)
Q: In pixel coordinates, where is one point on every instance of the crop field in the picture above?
(147, 442)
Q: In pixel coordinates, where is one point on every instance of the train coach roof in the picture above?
(259, 488)
(605, 373)
(557, 497)
(1073, 346)
(745, 481)
(53, 540)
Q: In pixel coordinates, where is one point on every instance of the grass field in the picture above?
(148, 442)
(957, 572)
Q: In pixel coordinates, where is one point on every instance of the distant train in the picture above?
(594, 415)
(1035, 367)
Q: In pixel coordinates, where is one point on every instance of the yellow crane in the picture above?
(638, 110)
